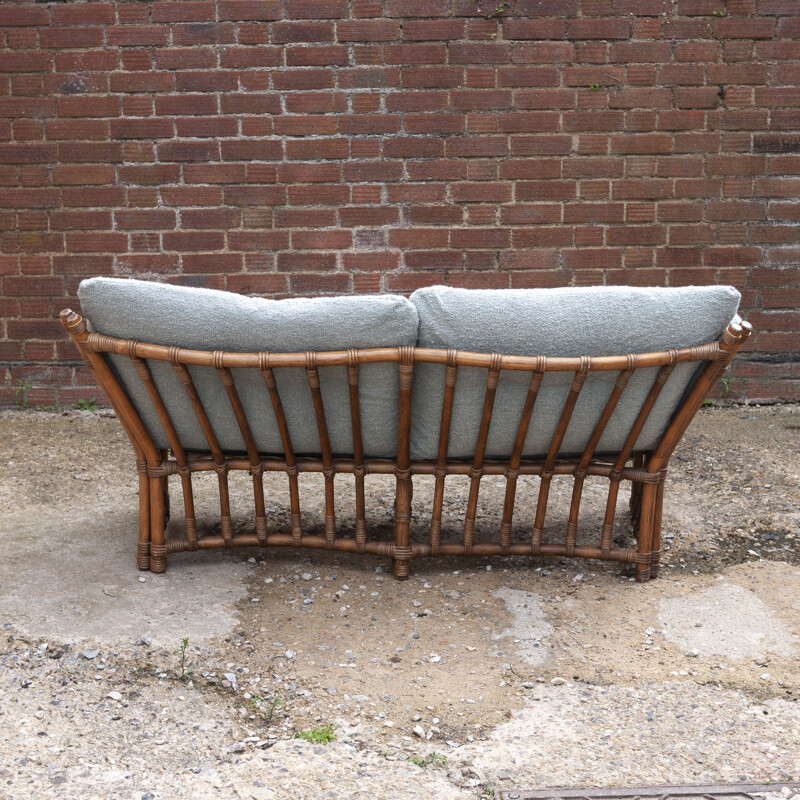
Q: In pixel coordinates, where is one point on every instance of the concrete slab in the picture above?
(725, 620)
(79, 583)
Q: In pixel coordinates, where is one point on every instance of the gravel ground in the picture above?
(476, 673)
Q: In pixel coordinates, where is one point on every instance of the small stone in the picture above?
(237, 747)
(289, 653)
(435, 658)
(90, 654)
(114, 696)
(419, 731)
(306, 576)
(331, 690)
(268, 580)
(416, 603)
(528, 685)
(142, 579)
(692, 653)
(146, 640)
(558, 681)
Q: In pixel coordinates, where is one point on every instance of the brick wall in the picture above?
(325, 146)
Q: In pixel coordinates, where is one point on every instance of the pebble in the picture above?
(529, 685)
(90, 654)
(307, 576)
(114, 696)
(692, 653)
(142, 580)
(419, 731)
(558, 681)
(237, 747)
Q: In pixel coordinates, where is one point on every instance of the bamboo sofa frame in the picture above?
(646, 471)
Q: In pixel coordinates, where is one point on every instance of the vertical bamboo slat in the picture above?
(546, 474)
(256, 468)
(286, 440)
(359, 469)
(512, 472)
(402, 514)
(579, 472)
(185, 473)
(220, 464)
(607, 531)
(450, 379)
(476, 471)
(328, 469)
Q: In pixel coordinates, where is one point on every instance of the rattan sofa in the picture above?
(595, 381)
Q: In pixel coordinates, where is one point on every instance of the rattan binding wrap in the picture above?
(645, 471)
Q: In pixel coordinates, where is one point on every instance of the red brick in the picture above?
(368, 30)
(739, 28)
(598, 28)
(321, 240)
(23, 14)
(249, 9)
(182, 11)
(309, 262)
(433, 29)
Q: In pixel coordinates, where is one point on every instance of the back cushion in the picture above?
(591, 321)
(205, 319)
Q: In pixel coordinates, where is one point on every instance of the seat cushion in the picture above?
(566, 322)
(206, 319)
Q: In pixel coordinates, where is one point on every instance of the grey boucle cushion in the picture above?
(206, 319)
(592, 321)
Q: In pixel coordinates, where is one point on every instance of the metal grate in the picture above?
(736, 791)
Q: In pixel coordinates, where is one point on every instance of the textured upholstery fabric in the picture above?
(212, 320)
(593, 321)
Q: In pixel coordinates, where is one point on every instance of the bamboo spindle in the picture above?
(256, 468)
(143, 370)
(402, 514)
(512, 471)
(328, 469)
(586, 457)
(220, 464)
(290, 468)
(450, 379)
(476, 471)
(552, 453)
(359, 469)
(607, 531)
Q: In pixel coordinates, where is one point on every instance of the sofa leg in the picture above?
(158, 561)
(143, 547)
(400, 569)
(655, 560)
(646, 523)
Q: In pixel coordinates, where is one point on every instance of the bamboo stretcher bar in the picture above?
(645, 470)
